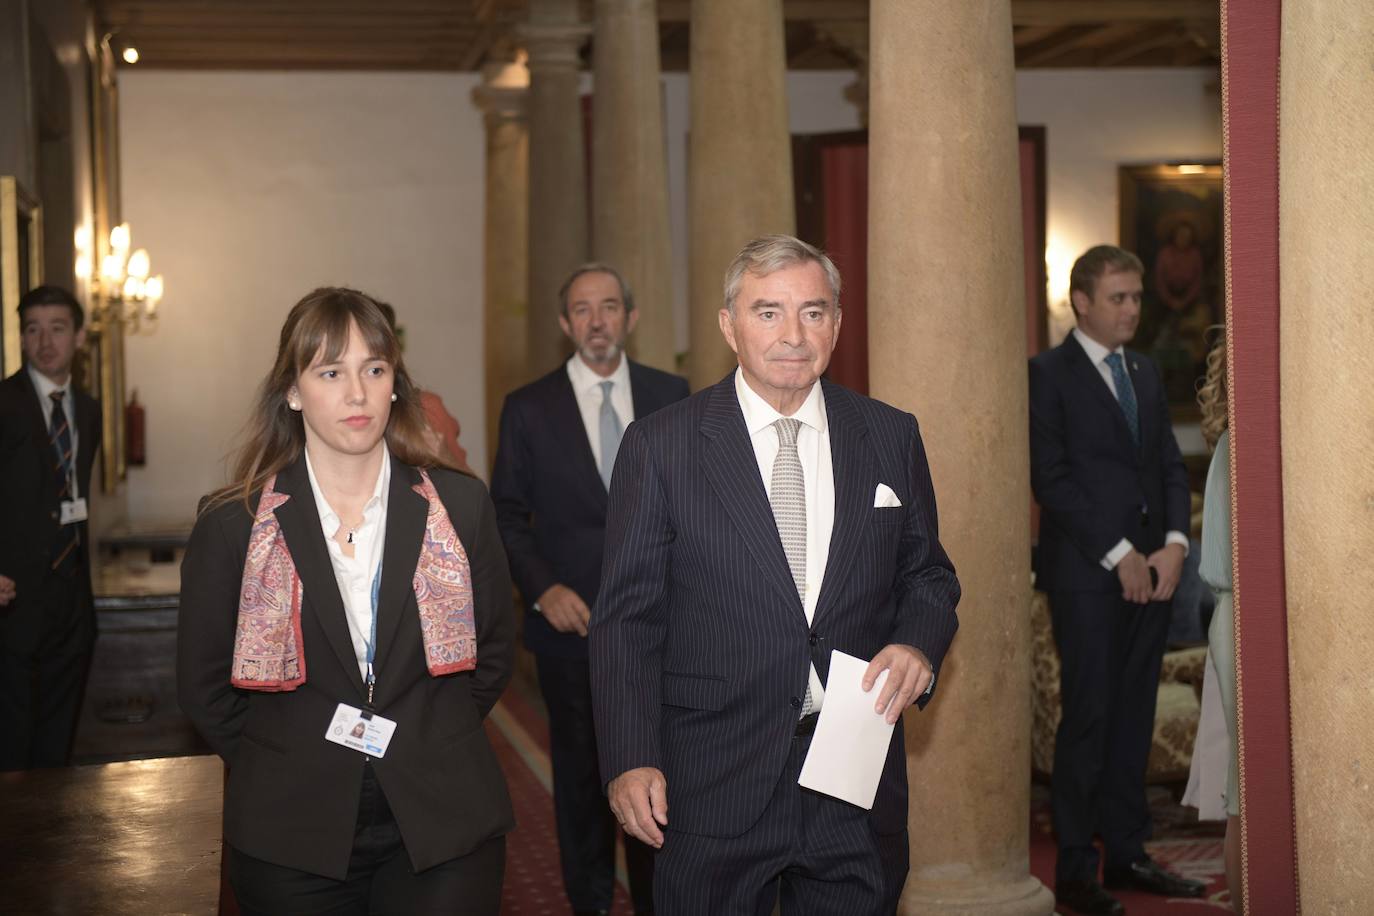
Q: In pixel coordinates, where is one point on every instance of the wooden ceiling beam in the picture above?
(1062, 41)
(1166, 36)
(1082, 12)
(792, 10)
(1023, 35)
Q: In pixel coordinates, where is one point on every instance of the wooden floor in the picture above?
(116, 839)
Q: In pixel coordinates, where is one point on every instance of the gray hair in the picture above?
(770, 253)
(595, 267)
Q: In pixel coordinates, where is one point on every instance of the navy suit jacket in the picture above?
(1095, 486)
(550, 499)
(29, 503)
(700, 647)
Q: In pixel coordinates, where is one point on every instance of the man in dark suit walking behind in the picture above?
(1113, 491)
(753, 529)
(49, 434)
(558, 442)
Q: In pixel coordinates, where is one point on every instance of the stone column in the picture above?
(501, 97)
(630, 170)
(558, 170)
(740, 166)
(1326, 333)
(947, 342)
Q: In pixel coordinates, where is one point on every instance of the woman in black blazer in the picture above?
(346, 577)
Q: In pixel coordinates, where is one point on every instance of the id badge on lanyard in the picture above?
(363, 730)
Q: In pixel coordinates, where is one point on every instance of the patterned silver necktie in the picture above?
(611, 431)
(788, 497)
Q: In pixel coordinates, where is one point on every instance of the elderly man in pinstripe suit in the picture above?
(752, 529)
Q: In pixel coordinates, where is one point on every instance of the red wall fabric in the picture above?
(1250, 75)
(844, 186)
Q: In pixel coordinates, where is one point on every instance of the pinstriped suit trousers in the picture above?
(820, 854)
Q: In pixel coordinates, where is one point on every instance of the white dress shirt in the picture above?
(813, 448)
(586, 386)
(1098, 355)
(355, 574)
(45, 387)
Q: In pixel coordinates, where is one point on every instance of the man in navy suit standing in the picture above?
(1113, 492)
(558, 442)
(49, 434)
(753, 529)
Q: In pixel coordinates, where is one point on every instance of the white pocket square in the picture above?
(884, 498)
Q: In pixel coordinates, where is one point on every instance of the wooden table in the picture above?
(141, 837)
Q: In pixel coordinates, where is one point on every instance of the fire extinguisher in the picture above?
(135, 423)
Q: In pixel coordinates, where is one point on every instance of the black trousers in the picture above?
(379, 881)
(1110, 653)
(819, 854)
(44, 659)
(586, 827)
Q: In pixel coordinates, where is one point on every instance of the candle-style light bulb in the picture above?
(139, 262)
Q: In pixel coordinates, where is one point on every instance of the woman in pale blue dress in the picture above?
(1215, 570)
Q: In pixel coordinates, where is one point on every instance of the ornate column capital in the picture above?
(554, 47)
(502, 97)
(849, 38)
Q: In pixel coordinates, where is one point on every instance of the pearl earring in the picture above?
(294, 405)
(393, 397)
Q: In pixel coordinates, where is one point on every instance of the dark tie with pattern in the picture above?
(60, 434)
(1125, 394)
(788, 497)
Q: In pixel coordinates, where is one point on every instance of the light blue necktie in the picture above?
(1125, 395)
(611, 431)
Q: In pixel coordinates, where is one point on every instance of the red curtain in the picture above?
(844, 188)
(1250, 74)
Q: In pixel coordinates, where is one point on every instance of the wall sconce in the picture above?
(124, 287)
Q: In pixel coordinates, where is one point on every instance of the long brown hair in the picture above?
(319, 325)
(1212, 395)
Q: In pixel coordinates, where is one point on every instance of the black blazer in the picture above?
(699, 643)
(292, 796)
(29, 520)
(550, 500)
(1094, 485)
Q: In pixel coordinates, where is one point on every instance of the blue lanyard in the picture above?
(371, 644)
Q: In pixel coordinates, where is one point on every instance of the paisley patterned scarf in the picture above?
(268, 649)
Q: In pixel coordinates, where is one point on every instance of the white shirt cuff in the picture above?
(1117, 554)
(1177, 537)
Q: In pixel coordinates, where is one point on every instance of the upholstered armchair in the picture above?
(1176, 716)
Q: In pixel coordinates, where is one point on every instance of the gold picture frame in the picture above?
(105, 338)
(21, 263)
(1171, 217)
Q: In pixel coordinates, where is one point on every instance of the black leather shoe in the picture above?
(1087, 897)
(1146, 875)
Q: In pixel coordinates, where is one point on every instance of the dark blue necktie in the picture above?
(1125, 395)
(60, 435)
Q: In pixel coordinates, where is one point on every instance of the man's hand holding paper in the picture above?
(852, 735)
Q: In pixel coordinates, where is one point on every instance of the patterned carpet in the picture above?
(533, 886)
(519, 732)
(1181, 843)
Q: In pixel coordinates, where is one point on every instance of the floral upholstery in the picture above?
(1176, 715)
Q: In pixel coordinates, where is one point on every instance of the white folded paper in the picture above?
(851, 740)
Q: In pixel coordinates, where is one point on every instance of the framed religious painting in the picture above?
(21, 263)
(1171, 216)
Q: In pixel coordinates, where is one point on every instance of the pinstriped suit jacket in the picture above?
(699, 644)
